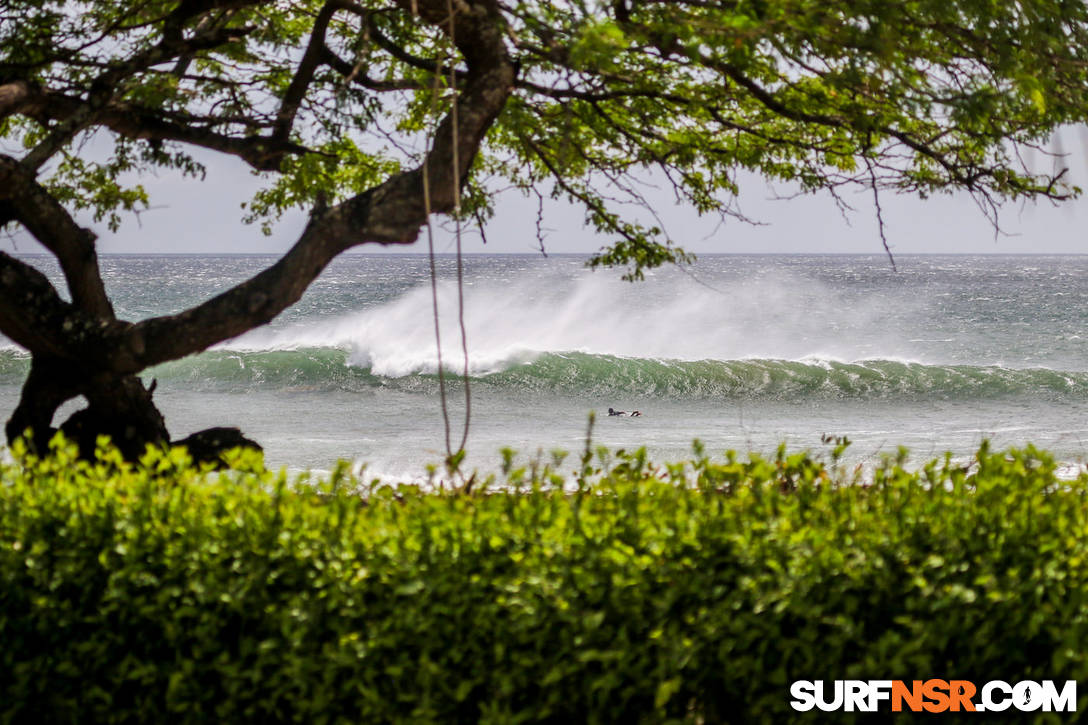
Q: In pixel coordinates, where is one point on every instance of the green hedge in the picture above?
(156, 592)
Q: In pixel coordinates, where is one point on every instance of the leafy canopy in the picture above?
(328, 98)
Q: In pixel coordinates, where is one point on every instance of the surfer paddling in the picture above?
(634, 413)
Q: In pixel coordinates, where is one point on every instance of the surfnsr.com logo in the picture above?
(933, 696)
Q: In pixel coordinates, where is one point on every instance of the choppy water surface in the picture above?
(743, 352)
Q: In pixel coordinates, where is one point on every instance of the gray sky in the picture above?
(204, 217)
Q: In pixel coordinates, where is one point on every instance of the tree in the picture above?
(374, 115)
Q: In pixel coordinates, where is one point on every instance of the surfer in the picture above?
(616, 412)
(636, 414)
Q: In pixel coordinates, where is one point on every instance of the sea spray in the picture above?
(664, 318)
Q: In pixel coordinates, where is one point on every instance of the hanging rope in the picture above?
(450, 452)
(457, 232)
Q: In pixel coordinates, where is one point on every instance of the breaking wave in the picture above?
(583, 374)
(792, 340)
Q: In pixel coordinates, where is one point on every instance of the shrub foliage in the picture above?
(624, 592)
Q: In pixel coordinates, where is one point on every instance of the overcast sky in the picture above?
(189, 216)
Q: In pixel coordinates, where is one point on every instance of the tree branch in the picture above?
(351, 74)
(189, 9)
(304, 74)
(44, 217)
(12, 96)
(35, 317)
(104, 88)
(391, 213)
(374, 33)
(135, 122)
(773, 104)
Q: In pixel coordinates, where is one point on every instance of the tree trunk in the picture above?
(117, 406)
(120, 408)
(46, 388)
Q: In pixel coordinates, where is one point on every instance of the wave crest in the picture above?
(584, 374)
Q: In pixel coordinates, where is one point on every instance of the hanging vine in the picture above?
(453, 457)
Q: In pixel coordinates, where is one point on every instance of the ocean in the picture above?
(743, 352)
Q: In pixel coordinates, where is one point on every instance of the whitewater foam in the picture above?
(665, 318)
